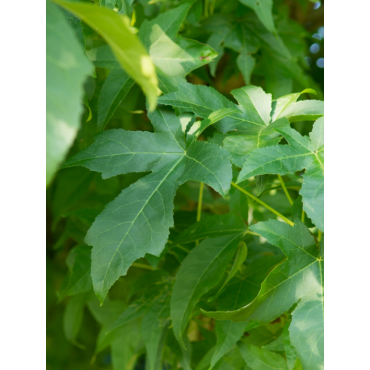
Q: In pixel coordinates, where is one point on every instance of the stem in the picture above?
(212, 8)
(263, 204)
(302, 218)
(142, 266)
(285, 189)
(251, 232)
(206, 8)
(319, 236)
(199, 213)
(181, 247)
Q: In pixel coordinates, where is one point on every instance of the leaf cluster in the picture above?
(185, 186)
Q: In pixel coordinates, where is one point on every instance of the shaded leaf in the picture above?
(299, 278)
(200, 271)
(261, 359)
(79, 279)
(66, 69)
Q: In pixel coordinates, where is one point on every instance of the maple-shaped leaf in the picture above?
(299, 279)
(173, 56)
(302, 152)
(251, 127)
(138, 220)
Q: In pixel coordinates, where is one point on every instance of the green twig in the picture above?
(302, 218)
(206, 8)
(200, 199)
(285, 189)
(199, 213)
(181, 247)
(319, 236)
(251, 232)
(142, 266)
(263, 204)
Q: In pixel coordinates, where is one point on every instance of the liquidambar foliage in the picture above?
(185, 185)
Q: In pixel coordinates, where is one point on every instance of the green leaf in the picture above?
(239, 204)
(246, 63)
(297, 279)
(249, 129)
(263, 9)
(67, 67)
(284, 102)
(72, 318)
(153, 330)
(290, 352)
(303, 152)
(307, 110)
(124, 347)
(212, 227)
(79, 279)
(172, 55)
(200, 271)
(158, 36)
(127, 48)
(115, 88)
(261, 182)
(277, 345)
(240, 291)
(261, 359)
(137, 221)
(240, 257)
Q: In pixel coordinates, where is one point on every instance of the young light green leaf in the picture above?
(158, 35)
(284, 102)
(79, 279)
(299, 278)
(127, 48)
(261, 359)
(212, 227)
(67, 67)
(172, 55)
(137, 221)
(263, 9)
(200, 271)
(306, 110)
(249, 129)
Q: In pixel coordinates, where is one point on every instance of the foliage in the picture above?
(185, 185)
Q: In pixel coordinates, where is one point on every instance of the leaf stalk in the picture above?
(263, 204)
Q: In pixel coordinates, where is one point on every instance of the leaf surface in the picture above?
(137, 221)
(250, 126)
(200, 271)
(127, 48)
(298, 279)
(79, 279)
(66, 69)
(263, 9)
(212, 227)
(261, 359)
(153, 330)
(303, 152)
